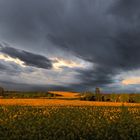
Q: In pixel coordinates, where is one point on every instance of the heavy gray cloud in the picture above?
(107, 38)
(105, 33)
(28, 58)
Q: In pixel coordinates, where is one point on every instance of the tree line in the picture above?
(112, 97)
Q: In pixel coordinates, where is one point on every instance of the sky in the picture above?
(70, 45)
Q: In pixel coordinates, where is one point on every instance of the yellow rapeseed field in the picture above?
(71, 119)
(68, 122)
(60, 102)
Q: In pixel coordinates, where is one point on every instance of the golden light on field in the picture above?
(58, 102)
(65, 94)
(10, 59)
(133, 80)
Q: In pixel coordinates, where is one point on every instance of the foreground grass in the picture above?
(69, 123)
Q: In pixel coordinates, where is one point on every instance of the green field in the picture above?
(69, 123)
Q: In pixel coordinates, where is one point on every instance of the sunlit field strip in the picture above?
(56, 102)
(65, 94)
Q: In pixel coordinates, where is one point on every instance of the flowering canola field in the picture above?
(44, 119)
(58, 102)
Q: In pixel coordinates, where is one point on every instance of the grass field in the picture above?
(53, 119)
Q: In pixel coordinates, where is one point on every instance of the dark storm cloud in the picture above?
(21, 86)
(8, 69)
(127, 9)
(28, 58)
(2, 67)
(109, 37)
(127, 39)
(30, 87)
(106, 33)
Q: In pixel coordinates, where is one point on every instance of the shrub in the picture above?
(88, 96)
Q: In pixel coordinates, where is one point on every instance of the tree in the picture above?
(131, 98)
(1, 91)
(88, 96)
(103, 98)
(114, 97)
(98, 94)
(124, 98)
